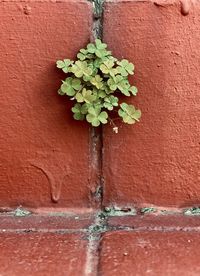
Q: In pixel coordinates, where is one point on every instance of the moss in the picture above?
(146, 210)
(192, 211)
(20, 212)
(118, 212)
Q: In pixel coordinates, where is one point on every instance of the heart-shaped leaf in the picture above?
(70, 86)
(107, 66)
(79, 111)
(133, 90)
(96, 116)
(118, 82)
(110, 102)
(87, 96)
(97, 82)
(80, 69)
(91, 48)
(129, 114)
(64, 65)
(125, 67)
(100, 45)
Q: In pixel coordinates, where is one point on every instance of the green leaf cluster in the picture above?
(95, 82)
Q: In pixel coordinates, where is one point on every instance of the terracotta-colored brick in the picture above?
(157, 222)
(44, 152)
(42, 254)
(47, 223)
(157, 160)
(150, 253)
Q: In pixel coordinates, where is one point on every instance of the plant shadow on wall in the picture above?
(95, 81)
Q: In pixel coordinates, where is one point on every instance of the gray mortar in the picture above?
(100, 225)
(97, 18)
(98, 7)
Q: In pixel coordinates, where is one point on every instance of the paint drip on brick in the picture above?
(185, 7)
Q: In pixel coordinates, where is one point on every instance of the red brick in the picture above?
(42, 254)
(150, 253)
(157, 222)
(44, 152)
(157, 160)
(46, 222)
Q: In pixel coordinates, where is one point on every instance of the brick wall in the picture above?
(49, 160)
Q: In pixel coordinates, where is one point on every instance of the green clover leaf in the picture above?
(112, 83)
(60, 92)
(84, 54)
(70, 86)
(107, 89)
(118, 82)
(106, 66)
(124, 86)
(110, 102)
(80, 69)
(133, 90)
(64, 65)
(98, 62)
(97, 81)
(81, 56)
(94, 69)
(101, 53)
(111, 58)
(87, 96)
(95, 116)
(91, 48)
(79, 111)
(87, 78)
(102, 94)
(92, 81)
(125, 67)
(100, 45)
(99, 49)
(83, 51)
(129, 114)
(96, 104)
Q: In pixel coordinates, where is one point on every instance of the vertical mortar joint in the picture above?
(96, 143)
(97, 18)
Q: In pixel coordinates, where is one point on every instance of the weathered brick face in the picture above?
(158, 160)
(46, 155)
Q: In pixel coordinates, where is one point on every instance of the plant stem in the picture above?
(112, 122)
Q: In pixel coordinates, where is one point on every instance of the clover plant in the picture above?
(94, 82)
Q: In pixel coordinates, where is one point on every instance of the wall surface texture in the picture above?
(158, 160)
(49, 160)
